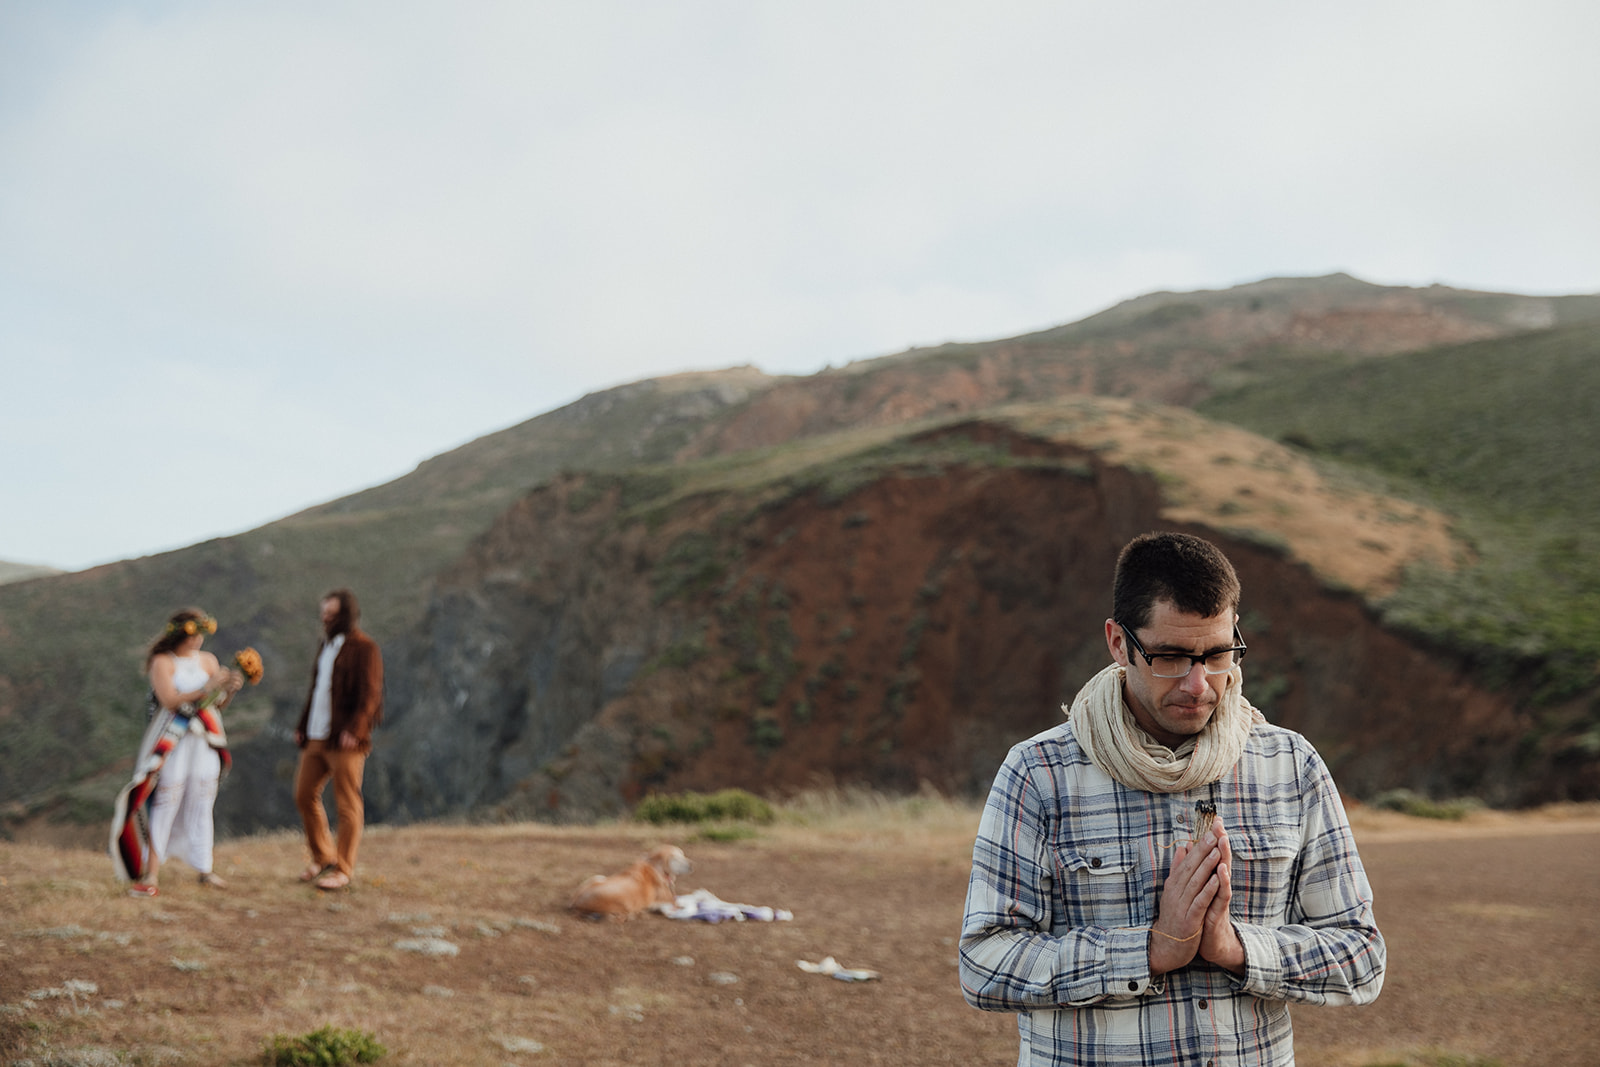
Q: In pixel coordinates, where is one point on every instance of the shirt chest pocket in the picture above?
(1098, 884)
(1263, 872)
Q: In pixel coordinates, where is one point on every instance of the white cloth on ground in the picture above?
(704, 905)
(830, 967)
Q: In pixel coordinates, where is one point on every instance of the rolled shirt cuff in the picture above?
(1263, 963)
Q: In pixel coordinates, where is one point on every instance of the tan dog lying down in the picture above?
(645, 886)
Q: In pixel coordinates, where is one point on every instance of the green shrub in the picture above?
(726, 805)
(1413, 803)
(683, 653)
(766, 733)
(326, 1047)
(726, 834)
(1440, 1059)
(693, 563)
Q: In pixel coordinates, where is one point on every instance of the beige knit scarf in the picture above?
(1106, 730)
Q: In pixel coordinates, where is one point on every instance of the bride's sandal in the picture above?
(337, 879)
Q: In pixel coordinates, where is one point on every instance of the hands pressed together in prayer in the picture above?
(1194, 908)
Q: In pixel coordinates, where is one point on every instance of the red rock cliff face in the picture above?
(912, 630)
(937, 620)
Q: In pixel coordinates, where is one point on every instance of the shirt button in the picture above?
(1202, 1004)
(1095, 862)
(1133, 986)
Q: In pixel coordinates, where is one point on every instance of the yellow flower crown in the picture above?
(190, 627)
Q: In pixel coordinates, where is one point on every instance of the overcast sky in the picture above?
(255, 256)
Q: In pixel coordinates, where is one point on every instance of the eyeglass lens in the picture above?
(1178, 666)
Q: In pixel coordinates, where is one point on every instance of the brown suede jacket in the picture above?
(357, 692)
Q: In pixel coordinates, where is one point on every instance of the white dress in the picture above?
(180, 809)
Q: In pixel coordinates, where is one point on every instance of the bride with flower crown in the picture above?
(166, 809)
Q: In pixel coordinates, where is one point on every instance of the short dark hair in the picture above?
(349, 611)
(1188, 572)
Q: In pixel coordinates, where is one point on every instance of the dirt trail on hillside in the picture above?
(1492, 924)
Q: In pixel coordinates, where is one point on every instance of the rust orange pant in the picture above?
(319, 762)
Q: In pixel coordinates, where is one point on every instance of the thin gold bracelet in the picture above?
(1180, 940)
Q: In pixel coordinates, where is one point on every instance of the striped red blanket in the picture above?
(130, 818)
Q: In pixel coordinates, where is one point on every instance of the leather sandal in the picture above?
(138, 889)
(335, 880)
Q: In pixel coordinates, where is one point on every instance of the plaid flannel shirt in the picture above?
(1066, 879)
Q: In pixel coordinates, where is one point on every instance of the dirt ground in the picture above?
(1493, 927)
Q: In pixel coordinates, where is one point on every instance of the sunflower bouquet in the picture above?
(247, 661)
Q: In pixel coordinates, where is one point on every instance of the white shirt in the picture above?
(188, 673)
(320, 724)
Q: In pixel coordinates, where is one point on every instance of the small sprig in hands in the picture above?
(1205, 813)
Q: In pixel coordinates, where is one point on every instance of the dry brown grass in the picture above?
(1221, 476)
(1492, 924)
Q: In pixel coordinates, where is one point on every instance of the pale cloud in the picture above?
(442, 219)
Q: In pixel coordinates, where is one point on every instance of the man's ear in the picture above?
(1116, 643)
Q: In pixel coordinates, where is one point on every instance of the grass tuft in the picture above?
(726, 805)
(327, 1047)
(1440, 1059)
(1410, 802)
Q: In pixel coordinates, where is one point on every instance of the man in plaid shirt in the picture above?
(1157, 878)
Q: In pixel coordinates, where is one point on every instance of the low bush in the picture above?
(727, 834)
(1440, 1059)
(326, 1047)
(726, 805)
(1413, 803)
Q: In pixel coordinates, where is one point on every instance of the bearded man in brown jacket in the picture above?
(334, 736)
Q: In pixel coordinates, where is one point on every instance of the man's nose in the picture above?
(1194, 683)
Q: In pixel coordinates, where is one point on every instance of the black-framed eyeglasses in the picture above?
(1179, 664)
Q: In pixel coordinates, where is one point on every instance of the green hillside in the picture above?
(1504, 435)
(1499, 431)
(71, 646)
(21, 572)
(1332, 293)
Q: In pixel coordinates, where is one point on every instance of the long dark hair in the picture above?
(177, 631)
(349, 612)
